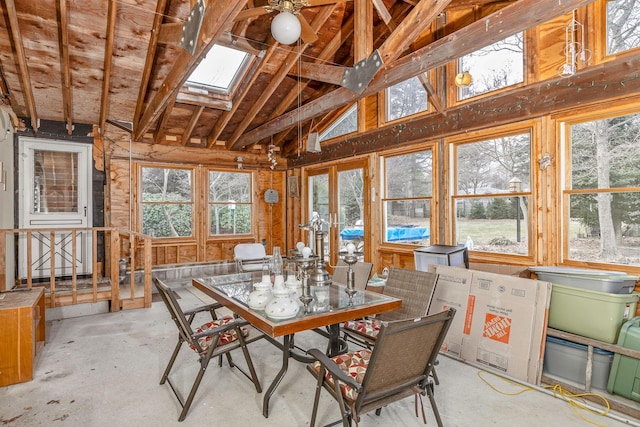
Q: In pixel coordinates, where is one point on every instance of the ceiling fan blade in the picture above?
(250, 13)
(306, 32)
(313, 3)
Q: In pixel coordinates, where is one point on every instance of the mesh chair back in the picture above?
(414, 288)
(404, 355)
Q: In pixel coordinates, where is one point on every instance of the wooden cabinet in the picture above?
(22, 334)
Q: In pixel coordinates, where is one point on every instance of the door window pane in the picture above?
(55, 183)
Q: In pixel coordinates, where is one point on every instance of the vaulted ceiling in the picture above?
(123, 63)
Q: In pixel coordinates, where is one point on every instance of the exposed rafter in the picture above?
(108, 59)
(510, 20)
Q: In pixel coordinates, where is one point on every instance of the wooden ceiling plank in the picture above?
(420, 17)
(67, 105)
(21, 57)
(108, 60)
(192, 124)
(148, 63)
(382, 10)
(292, 59)
(213, 24)
(510, 20)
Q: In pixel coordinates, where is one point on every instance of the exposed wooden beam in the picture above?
(433, 96)
(510, 20)
(186, 135)
(148, 62)
(108, 59)
(320, 72)
(170, 33)
(67, 106)
(611, 80)
(319, 19)
(329, 50)
(420, 17)
(214, 21)
(12, 14)
(160, 131)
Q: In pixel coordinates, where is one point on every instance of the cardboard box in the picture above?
(452, 290)
(508, 324)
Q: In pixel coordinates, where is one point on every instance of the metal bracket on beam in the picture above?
(191, 28)
(358, 77)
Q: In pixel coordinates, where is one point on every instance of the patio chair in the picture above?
(361, 269)
(215, 338)
(414, 288)
(249, 256)
(399, 366)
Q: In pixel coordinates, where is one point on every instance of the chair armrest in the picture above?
(208, 307)
(334, 370)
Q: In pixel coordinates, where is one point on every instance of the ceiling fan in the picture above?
(289, 24)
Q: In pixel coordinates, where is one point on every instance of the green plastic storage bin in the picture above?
(624, 378)
(592, 314)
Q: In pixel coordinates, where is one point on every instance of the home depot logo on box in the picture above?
(497, 328)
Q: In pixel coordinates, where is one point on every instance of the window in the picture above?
(167, 202)
(623, 25)
(346, 123)
(602, 191)
(493, 67)
(493, 192)
(220, 69)
(229, 203)
(406, 202)
(406, 98)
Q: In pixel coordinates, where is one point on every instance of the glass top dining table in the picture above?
(232, 291)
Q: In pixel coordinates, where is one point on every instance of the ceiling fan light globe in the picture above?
(285, 28)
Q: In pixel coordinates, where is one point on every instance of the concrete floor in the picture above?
(104, 370)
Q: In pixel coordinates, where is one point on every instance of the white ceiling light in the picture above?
(286, 28)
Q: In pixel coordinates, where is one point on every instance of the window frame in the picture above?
(531, 127)
(193, 202)
(386, 99)
(565, 190)
(336, 122)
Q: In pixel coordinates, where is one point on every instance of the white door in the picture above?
(55, 189)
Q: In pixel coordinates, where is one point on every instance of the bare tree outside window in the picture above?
(604, 191)
(167, 202)
(623, 25)
(406, 98)
(493, 67)
(229, 203)
(493, 193)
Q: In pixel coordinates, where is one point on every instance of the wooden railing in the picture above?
(104, 282)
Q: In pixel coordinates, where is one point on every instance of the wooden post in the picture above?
(114, 264)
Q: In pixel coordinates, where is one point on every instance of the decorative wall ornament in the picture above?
(271, 157)
(545, 161)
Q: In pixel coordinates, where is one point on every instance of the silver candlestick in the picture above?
(305, 265)
(350, 259)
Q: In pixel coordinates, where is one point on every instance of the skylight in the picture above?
(219, 68)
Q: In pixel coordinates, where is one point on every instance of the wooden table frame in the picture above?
(287, 328)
